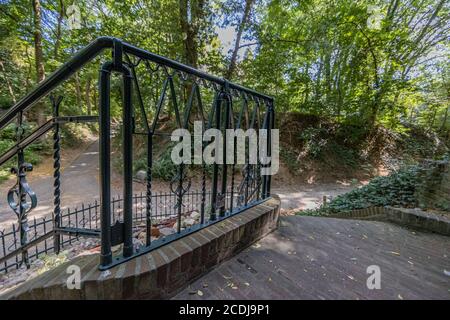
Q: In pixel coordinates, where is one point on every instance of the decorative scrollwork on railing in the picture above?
(22, 200)
(20, 191)
(180, 185)
(248, 179)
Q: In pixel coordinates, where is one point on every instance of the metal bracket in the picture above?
(117, 54)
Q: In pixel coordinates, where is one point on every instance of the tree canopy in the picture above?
(365, 62)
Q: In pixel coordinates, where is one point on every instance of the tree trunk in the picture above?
(189, 14)
(58, 30)
(8, 83)
(242, 25)
(78, 91)
(39, 58)
(88, 96)
(433, 118)
(28, 81)
(95, 98)
(191, 19)
(444, 121)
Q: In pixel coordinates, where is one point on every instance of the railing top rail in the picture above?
(138, 52)
(91, 51)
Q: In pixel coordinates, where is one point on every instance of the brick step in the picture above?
(162, 272)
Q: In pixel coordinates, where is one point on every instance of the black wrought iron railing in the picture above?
(152, 86)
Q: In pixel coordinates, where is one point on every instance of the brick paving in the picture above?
(327, 258)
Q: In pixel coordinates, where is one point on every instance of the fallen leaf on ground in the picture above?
(395, 253)
(200, 293)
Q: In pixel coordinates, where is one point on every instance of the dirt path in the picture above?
(80, 184)
(309, 196)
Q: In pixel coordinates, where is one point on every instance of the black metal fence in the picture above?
(87, 217)
(151, 86)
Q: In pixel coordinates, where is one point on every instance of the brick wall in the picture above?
(162, 272)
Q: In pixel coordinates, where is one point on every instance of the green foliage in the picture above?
(314, 141)
(324, 58)
(397, 189)
(33, 153)
(290, 158)
(330, 140)
(318, 57)
(163, 167)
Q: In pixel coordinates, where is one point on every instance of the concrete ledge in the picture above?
(160, 273)
(413, 218)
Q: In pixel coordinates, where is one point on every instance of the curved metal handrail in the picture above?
(92, 50)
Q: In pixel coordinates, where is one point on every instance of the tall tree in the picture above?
(192, 13)
(240, 29)
(38, 56)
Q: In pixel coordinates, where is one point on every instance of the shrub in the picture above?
(396, 189)
(163, 167)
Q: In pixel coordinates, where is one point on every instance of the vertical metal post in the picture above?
(247, 157)
(22, 214)
(179, 194)
(233, 170)
(269, 147)
(224, 154)
(105, 169)
(203, 199)
(266, 124)
(127, 164)
(217, 112)
(149, 188)
(56, 175)
(23, 219)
